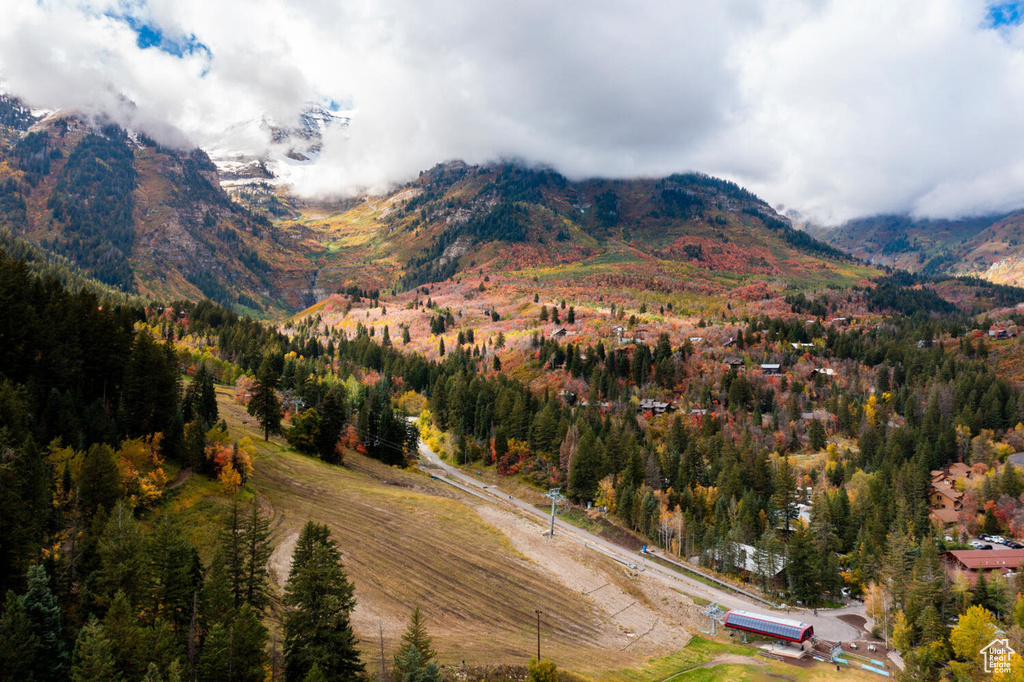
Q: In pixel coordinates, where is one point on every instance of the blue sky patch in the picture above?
(1005, 14)
(150, 35)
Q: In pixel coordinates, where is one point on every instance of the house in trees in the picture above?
(943, 517)
(943, 495)
(620, 335)
(999, 332)
(944, 498)
(771, 369)
(733, 363)
(952, 473)
(654, 406)
(823, 416)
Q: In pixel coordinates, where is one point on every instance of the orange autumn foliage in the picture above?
(232, 463)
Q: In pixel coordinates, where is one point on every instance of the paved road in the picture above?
(825, 624)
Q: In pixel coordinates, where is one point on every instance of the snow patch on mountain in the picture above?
(265, 150)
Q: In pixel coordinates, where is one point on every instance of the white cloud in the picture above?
(837, 108)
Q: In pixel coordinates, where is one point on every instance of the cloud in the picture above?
(836, 108)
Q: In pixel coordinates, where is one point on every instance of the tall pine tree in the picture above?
(317, 628)
(264, 404)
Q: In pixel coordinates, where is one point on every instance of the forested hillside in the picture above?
(135, 215)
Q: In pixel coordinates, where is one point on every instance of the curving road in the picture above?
(826, 624)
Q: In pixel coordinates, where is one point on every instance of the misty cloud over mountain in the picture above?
(835, 108)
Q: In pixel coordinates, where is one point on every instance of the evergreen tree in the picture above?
(311, 535)
(94, 660)
(25, 496)
(800, 566)
(215, 662)
(122, 628)
(234, 650)
(317, 628)
(587, 469)
(782, 499)
(816, 435)
(249, 643)
(416, 654)
(218, 599)
(200, 399)
(42, 611)
(410, 666)
(18, 653)
(100, 479)
(332, 421)
(233, 545)
(174, 575)
(121, 554)
(256, 543)
(264, 404)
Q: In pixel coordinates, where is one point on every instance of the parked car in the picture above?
(986, 547)
(998, 539)
(1013, 544)
(977, 544)
(986, 538)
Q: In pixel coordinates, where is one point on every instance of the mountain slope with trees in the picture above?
(990, 247)
(154, 220)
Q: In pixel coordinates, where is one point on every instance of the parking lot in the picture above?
(995, 545)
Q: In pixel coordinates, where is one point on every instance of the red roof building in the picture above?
(971, 561)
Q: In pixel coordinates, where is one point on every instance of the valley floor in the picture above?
(479, 571)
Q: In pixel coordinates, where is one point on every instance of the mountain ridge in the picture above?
(990, 247)
(159, 222)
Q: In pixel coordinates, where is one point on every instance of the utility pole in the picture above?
(383, 670)
(555, 494)
(538, 634)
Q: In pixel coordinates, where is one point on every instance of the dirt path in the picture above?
(281, 559)
(632, 606)
(180, 479)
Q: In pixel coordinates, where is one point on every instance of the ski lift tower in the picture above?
(555, 494)
(714, 612)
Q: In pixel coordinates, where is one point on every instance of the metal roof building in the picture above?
(780, 628)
